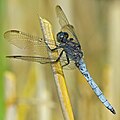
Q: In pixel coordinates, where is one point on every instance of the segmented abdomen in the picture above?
(83, 69)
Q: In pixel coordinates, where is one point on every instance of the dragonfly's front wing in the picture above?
(27, 41)
(96, 89)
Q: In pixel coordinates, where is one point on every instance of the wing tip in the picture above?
(5, 33)
(13, 56)
(58, 7)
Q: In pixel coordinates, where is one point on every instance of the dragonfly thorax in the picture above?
(62, 37)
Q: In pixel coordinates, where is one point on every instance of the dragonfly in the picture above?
(68, 44)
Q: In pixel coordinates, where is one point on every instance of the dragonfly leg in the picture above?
(54, 48)
(59, 56)
(57, 47)
(68, 61)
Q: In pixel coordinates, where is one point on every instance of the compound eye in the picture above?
(60, 36)
(66, 35)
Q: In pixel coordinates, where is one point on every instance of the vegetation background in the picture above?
(27, 90)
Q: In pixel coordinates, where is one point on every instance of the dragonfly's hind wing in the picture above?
(96, 89)
(39, 59)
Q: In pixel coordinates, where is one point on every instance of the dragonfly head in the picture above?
(62, 37)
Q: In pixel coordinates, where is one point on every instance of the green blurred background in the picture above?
(27, 90)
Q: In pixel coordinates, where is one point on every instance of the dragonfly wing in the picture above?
(21, 39)
(65, 26)
(39, 59)
(62, 17)
(24, 40)
(96, 89)
(43, 60)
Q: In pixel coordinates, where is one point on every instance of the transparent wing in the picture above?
(21, 39)
(39, 59)
(65, 26)
(62, 17)
(35, 44)
(43, 60)
(25, 41)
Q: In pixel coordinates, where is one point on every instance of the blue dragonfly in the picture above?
(68, 44)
